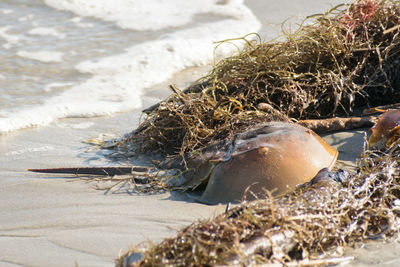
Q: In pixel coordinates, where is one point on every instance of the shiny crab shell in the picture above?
(276, 156)
(386, 130)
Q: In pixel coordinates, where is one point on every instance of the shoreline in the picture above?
(53, 221)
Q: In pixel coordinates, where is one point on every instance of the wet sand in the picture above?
(49, 221)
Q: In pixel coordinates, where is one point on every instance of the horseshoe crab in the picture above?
(274, 156)
(387, 128)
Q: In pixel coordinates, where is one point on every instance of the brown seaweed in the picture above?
(333, 65)
(315, 222)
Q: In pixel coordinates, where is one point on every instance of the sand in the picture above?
(47, 221)
(50, 221)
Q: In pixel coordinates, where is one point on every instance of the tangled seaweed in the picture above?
(332, 65)
(309, 225)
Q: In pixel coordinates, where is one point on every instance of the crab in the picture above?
(386, 130)
(275, 156)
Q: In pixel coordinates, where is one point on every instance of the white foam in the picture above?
(118, 81)
(78, 22)
(26, 18)
(44, 31)
(9, 38)
(140, 14)
(43, 56)
(6, 11)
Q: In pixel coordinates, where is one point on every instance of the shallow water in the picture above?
(42, 46)
(53, 58)
(81, 59)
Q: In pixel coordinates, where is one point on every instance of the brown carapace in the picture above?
(386, 129)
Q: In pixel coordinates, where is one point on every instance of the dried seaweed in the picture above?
(332, 65)
(310, 225)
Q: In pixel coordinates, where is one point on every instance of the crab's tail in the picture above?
(106, 171)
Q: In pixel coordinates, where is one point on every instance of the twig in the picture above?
(336, 124)
(379, 109)
(391, 29)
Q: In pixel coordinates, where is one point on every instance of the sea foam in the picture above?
(42, 55)
(117, 82)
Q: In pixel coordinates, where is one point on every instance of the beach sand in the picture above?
(49, 221)
(46, 221)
